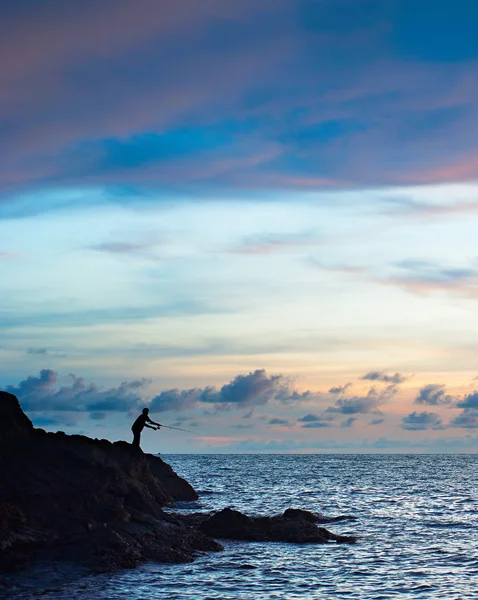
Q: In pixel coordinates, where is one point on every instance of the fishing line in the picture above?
(179, 429)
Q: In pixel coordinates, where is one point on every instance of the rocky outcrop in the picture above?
(75, 497)
(97, 503)
(15, 426)
(293, 526)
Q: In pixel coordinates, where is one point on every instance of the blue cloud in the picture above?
(277, 421)
(340, 389)
(257, 388)
(312, 421)
(81, 318)
(46, 393)
(433, 394)
(356, 405)
(310, 418)
(424, 420)
(467, 419)
(469, 401)
(380, 376)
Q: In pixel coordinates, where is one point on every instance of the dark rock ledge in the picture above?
(100, 504)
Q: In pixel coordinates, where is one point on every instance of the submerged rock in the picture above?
(294, 526)
(100, 504)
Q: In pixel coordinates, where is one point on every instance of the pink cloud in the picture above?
(464, 285)
(53, 34)
(465, 170)
(76, 73)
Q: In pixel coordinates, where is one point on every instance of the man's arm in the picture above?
(150, 427)
(153, 422)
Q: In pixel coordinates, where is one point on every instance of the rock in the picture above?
(100, 504)
(295, 526)
(55, 488)
(15, 426)
(293, 513)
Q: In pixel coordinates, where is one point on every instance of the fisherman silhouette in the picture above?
(140, 423)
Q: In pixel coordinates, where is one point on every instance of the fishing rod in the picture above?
(178, 429)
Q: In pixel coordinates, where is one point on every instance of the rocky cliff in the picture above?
(83, 499)
(101, 504)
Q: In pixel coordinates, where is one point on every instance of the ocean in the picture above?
(417, 529)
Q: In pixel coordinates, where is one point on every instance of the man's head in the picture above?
(145, 411)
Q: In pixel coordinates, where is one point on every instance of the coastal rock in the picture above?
(293, 526)
(101, 504)
(58, 491)
(292, 513)
(15, 426)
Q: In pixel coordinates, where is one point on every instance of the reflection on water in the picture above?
(417, 528)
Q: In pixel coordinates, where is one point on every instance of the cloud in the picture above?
(419, 421)
(309, 418)
(211, 79)
(348, 422)
(362, 404)
(244, 391)
(312, 421)
(340, 389)
(469, 401)
(272, 243)
(356, 405)
(463, 169)
(277, 421)
(426, 277)
(98, 416)
(433, 394)
(368, 404)
(64, 418)
(381, 376)
(345, 269)
(171, 306)
(407, 207)
(41, 385)
(45, 352)
(175, 400)
(316, 425)
(122, 247)
(254, 389)
(467, 419)
(44, 393)
(376, 422)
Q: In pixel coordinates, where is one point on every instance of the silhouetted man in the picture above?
(140, 423)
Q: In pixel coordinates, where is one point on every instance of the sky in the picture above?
(256, 218)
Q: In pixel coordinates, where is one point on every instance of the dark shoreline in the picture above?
(100, 505)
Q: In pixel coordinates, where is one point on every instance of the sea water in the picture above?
(416, 526)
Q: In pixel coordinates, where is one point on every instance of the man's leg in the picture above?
(136, 439)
